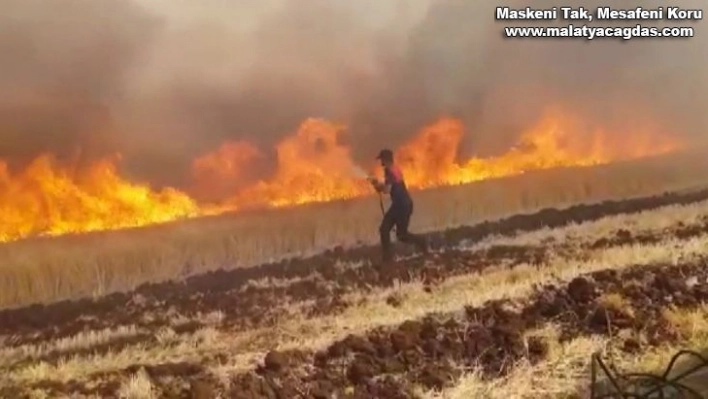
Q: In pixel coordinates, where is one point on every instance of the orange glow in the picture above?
(46, 199)
(222, 172)
(429, 159)
(313, 166)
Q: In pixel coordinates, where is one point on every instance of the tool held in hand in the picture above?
(398, 215)
(373, 180)
(359, 172)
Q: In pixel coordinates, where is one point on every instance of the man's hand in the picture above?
(375, 182)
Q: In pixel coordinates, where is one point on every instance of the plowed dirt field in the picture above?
(489, 301)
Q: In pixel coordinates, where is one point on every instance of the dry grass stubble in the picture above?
(652, 221)
(46, 270)
(246, 349)
(565, 372)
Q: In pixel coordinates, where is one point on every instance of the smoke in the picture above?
(61, 71)
(164, 81)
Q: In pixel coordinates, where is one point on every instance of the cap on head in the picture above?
(385, 155)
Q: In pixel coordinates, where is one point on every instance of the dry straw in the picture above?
(45, 270)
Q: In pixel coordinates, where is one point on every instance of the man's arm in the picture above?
(384, 187)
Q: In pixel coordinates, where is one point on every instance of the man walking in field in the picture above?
(401, 209)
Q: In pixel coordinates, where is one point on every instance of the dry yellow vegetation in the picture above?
(51, 269)
(225, 352)
(564, 373)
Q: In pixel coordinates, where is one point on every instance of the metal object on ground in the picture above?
(669, 385)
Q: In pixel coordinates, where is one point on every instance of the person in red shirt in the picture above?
(401, 209)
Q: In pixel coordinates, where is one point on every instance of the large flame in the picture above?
(48, 199)
(312, 167)
(221, 173)
(430, 158)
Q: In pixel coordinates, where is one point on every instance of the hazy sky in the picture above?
(164, 81)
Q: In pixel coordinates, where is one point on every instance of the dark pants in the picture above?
(398, 215)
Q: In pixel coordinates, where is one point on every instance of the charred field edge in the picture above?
(434, 351)
(210, 290)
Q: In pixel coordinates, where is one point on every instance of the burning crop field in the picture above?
(185, 211)
(512, 308)
(49, 199)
